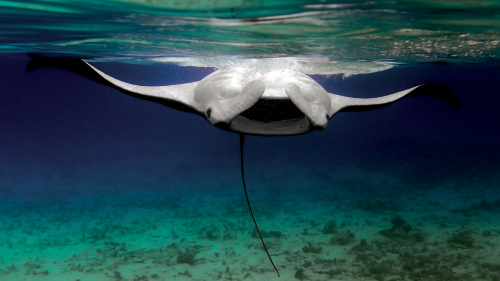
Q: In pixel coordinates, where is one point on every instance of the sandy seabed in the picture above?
(373, 228)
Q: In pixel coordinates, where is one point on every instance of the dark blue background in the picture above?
(62, 134)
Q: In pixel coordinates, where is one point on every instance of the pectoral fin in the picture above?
(179, 97)
(346, 104)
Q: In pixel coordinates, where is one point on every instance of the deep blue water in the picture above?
(52, 119)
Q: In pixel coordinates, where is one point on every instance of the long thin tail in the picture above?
(242, 140)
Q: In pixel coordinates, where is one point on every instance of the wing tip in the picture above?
(438, 90)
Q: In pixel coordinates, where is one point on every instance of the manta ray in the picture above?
(278, 102)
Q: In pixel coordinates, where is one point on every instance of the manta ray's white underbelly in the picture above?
(227, 86)
(275, 82)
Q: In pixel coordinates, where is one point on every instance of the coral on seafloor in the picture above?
(330, 228)
(311, 249)
(400, 230)
(186, 257)
(300, 274)
(343, 238)
(462, 239)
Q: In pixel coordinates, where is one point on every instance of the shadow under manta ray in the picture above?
(276, 103)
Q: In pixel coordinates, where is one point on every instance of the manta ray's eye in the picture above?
(209, 112)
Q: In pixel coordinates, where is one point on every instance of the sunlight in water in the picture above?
(310, 66)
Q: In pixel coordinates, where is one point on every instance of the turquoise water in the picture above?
(411, 31)
(98, 185)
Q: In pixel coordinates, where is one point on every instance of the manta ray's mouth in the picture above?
(271, 117)
(272, 110)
